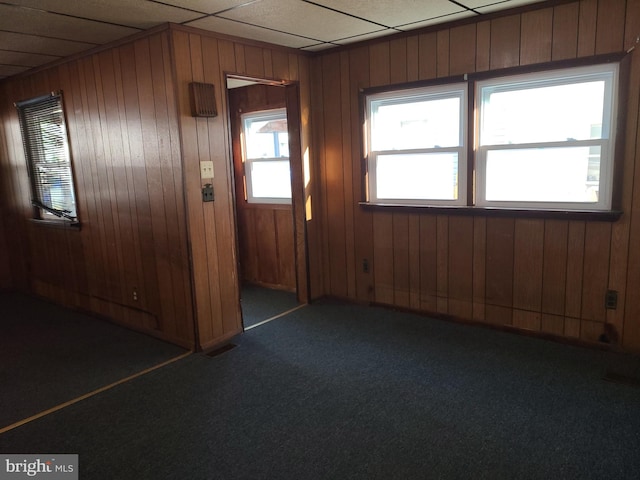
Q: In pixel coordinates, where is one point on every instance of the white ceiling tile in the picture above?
(207, 6)
(318, 47)
(35, 22)
(487, 6)
(434, 21)
(301, 18)
(24, 59)
(139, 14)
(229, 27)
(47, 46)
(366, 36)
(393, 12)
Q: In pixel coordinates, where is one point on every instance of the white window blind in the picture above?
(44, 135)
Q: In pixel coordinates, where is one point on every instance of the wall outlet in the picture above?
(135, 294)
(207, 193)
(611, 300)
(365, 265)
(206, 169)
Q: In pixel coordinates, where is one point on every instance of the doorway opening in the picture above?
(267, 161)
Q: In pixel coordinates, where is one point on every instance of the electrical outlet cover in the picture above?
(206, 169)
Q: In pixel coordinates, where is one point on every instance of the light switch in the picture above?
(206, 169)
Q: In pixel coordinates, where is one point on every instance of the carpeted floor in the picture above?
(50, 355)
(259, 303)
(337, 391)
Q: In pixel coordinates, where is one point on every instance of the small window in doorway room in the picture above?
(44, 134)
(265, 142)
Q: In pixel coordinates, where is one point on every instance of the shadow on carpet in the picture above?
(50, 355)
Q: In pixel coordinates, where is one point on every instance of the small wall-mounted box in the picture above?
(203, 99)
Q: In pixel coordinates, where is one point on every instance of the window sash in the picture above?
(605, 140)
(588, 158)
(412, 96)
(277, 189)
(45, 140)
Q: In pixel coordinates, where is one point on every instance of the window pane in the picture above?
(420, 176)
(415, 123)
(270, 179)
(542, 113)
(43, 129)
(266, 137)
(570, 174)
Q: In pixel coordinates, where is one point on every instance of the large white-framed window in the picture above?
(265, 145)
(546, 139)
(44, 135)
(415, 142)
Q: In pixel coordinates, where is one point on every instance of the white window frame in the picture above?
(451, 90)
(272, 114)
(39, 151)
(607, 72)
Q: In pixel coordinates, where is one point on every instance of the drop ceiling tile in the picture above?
(8, 70)
(318, 47)
(366, 36)
(487, 6)
(24, 59)
(121, 12)
(47, 46)
(35, 22)
(393, 12)
(434, 21)
(207, 6)
(300, 18)
(229, 27)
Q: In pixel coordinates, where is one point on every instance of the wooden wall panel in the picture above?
(505, 42)
(362, 220)
(199, 56)
(565, 31)
(129, 261)
(541, 275)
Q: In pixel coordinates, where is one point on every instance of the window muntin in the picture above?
(266, 156)
(44, 135)
(416, 149)
(547, 139)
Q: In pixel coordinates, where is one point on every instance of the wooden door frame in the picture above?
(292, 104)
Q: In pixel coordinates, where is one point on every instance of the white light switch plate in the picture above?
(206, 169)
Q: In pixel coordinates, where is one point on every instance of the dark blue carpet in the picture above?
(259, 303)
(50, 355)
(346, 392)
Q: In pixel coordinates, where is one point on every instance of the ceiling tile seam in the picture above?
(464, 6)
(70, 16)
(349, 15)
(178, 6)
(50, 37)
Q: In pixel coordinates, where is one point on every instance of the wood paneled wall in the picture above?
(201, 57)
(265, 232)
(542, 275)
(136, 151)
(124, 140)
